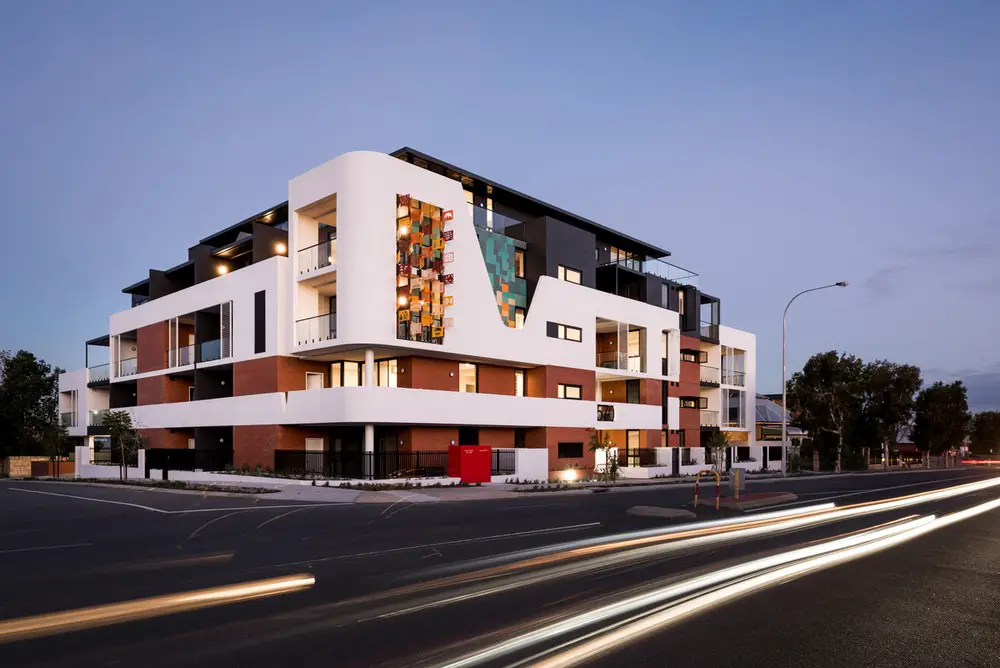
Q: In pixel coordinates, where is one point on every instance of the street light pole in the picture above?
(784, 373)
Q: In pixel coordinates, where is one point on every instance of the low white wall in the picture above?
(531, 464)
(644, 471)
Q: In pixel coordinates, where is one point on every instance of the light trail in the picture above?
(743, 578)
(144, 608)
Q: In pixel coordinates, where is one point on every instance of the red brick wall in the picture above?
(166, 438)
(497, 438)
(161, 390)
(650, 392)
(427, 373)
(151, 342)
(255, 445)
(275, 374)
(427, 438)
(555, 435)
(496, 380)
(544, 381)
(689, 385)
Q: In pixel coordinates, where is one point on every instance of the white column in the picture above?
(369, 368)
(369, 450)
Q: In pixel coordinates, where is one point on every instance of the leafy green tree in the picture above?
(826, 399)
(984, 433)
(888, 402)
(941, 417)
(29, 403)
(717, 444)
(125, 437)
(601, 442)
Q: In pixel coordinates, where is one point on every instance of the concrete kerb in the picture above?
(663, 513)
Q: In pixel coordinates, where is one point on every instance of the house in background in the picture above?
(769, 415)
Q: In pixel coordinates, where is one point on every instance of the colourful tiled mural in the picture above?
(421, 275)
(511, 291)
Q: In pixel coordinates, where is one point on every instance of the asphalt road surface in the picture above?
(868, 570)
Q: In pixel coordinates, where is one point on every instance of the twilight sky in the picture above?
(772, 146)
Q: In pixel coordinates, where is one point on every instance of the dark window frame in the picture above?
(572, 450)
(565, 386)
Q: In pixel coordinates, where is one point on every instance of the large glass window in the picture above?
(386, 373)
(735, 408)
(347, 374)
(467, 377)
(733, 366)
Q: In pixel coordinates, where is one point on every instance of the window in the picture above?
(518, 317)
(694, 356)
(468, 377)
(631, 391)
(314, 381)
(259, 322)
(518, 382)
(570, 450)
(385, 373)
(556, 330)
(190, 444)
(347, 374)
(681, 438)
(314, 444)
(570, 391)
(735, 408)
(190, 392)
(519, 263)
(694, 402)
(569, 275)
(733, 366)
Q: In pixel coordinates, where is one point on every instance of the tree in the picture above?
(601, 442)
(29, 403)
(825, 398)
(888, 402)
(125, 437)
(717, 444)
(985, 433)
(56, 444)
(941, 417)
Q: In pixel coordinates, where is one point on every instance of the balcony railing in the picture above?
(210, 350)
(318, 328)
(488, 219)
(67, 419)
(127, 367)
(730, 377)
(654, 267)
(709, 418)
(96, 418)
(620, 361)
(99, 374)
(181, 356)
(710, 330)
(318, 256)
(709, 374)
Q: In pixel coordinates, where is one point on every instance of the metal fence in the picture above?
(363, 465)
(178, 459)
(502, 461)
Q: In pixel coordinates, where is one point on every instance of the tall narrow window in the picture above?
(386, 376)
(467, 377)
(518, 382)
(518, 317)
(519, 263)
(259, 322)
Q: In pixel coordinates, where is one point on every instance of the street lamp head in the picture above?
(841, 284)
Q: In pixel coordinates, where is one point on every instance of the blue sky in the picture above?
(772, 146)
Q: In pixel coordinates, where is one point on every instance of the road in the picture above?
(546, 580)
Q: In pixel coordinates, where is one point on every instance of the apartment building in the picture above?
(399, 304)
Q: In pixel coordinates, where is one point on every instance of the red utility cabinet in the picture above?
(470, 463)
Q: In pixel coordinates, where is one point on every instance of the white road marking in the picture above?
(278, 517)
(516, 534)
(861, 491)
(87, 498)
(210, 522)
(47, 547)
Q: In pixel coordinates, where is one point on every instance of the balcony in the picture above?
(209, 351)
(709, 375)
(653, 267)
(96, 418)
(488, 219)
(319, 256)
(67, 419)
(709, 418)
(181, 356)
(318, 328)
(710, 330)
(731, 377)
(98, 374)
(127, 367)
